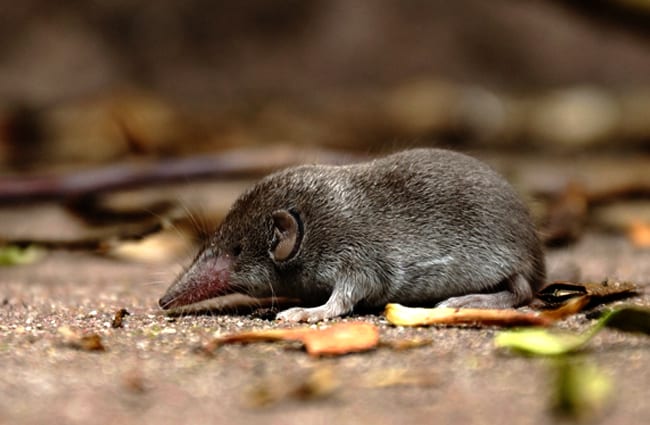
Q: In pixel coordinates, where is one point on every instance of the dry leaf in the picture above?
(118, 318)
(559, 292)
(88, 342)
(319, 383)
(338, 339)
(91, 342)
(610, 288)
(396, 377)
(411, 316)
(639, 233)
(569, 308)
(407, 344)
(556, 293)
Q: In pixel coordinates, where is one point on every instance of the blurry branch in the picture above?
(629, 14)
(99, 243)
(568, 211)
(231, 164)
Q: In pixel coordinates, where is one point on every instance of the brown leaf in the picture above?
(318, 383)
(558, 292)
(410, 316)
(338, 339)
(569, 308)
(88, 342)
(400, 377)
(91, 342)
(406, 344)
(610, 288)
(639, 234)
(118, 318)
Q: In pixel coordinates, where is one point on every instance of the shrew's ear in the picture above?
(287, 235)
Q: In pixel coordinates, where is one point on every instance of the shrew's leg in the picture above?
(518, 293)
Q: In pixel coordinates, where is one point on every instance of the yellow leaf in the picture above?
(415, 316)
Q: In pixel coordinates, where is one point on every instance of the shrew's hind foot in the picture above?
(518, 293)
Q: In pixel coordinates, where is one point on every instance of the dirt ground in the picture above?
(151, 372)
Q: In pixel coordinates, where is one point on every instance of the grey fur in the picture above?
(419, 227)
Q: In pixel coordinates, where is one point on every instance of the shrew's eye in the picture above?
(236, 250)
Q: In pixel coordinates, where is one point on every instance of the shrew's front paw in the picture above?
(300, 314)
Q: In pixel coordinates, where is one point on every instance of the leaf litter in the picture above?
(400, 315)
(15, 255)
(556, 293)
(338, 339)
(579, 389)
(80, 341)
(118, 319)
(545, 343)
(315, 384)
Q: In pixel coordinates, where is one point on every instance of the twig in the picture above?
(231, 164)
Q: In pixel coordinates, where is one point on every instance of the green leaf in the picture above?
(542, 342)
(628, 319)
(12, 255)
(539, 342)
(580, 388)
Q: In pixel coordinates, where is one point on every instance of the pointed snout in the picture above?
(169, 300)
(207, 277)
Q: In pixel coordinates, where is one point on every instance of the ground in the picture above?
(151, 371)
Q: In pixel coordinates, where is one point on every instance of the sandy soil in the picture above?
(151, 372)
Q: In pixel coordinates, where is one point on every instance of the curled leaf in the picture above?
(561, 291)
(569, 308)
(558, 292)
(416, 316)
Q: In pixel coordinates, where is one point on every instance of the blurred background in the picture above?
(128, 128)
(101, 103)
